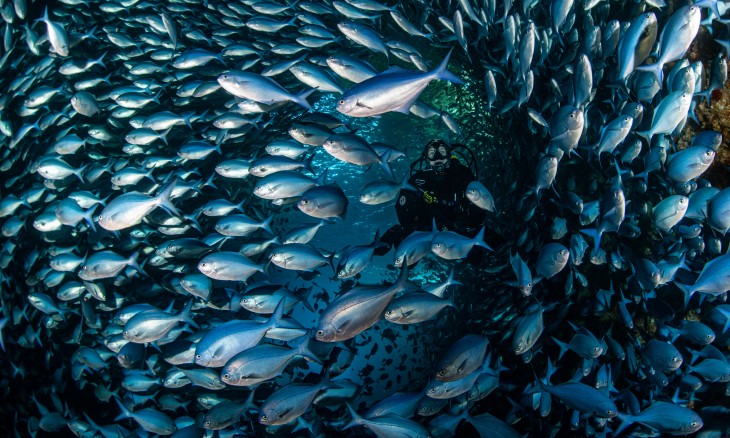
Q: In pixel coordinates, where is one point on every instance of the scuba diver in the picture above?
(441, 181)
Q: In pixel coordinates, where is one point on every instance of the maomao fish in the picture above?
(130, 208)
(395, 89)
(259, 88)
(357, 310)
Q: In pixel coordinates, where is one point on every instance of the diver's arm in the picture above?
(412, 211)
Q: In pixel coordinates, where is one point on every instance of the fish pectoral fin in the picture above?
(343, 328)
(405, 108)
(362, 105)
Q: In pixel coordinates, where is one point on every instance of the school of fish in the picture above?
(193, 193)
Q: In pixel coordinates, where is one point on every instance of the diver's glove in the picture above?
(429, 197)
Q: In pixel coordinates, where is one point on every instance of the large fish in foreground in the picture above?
(357, 310)
(395, 89)
(130, 208)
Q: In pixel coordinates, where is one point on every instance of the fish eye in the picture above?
(432, 391)
(264, 417)
(442, 373)
(320, 332)
(342, 102)
(529, 284)
(197, 356)
(207, 422)
(693, 424)
(226, 376)
(609, 412)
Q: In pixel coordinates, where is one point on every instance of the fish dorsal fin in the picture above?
(393, 69)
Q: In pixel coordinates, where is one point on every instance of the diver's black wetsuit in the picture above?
(439, 197)
(442, 198)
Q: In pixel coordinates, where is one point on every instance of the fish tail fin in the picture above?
(266, 224)
(187, 117)
(595, 235)
(80, 172)
(322, 178)
(404, 184)
(508, 106)
(163, 136)
(308, 164)
(706, 94)
(376, 240)
(550, 371)
(402, 281)
(100, 60)
(626, 421)
(450, 301)
(331, 264)
(644, 175)
(646, 135)
(301, 98)
(89, 217)
(126, 413)
(538, 387)
(386, 166)
(725, 313)
(276, 317)
(442, 73)
(304, 349)
(355, 417)
(209, 182)
(44, 18)
(149, 175)
(563, 347)
(656, 69)
(479, 239)
(193, 221)
(163, 199)
(687, 290)
(185, 317)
